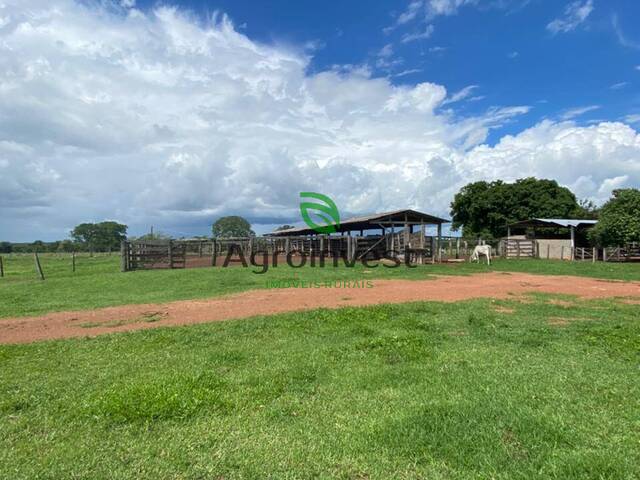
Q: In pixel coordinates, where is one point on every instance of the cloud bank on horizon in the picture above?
(157, 118)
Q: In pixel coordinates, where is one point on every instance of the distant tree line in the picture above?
(479, 209)
(86, 237)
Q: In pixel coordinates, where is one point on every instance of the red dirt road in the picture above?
(267, 302)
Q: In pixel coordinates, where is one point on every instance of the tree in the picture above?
(485, 208)
(232, 226)
(101, 236)
(6, 247)
(66, 246)
(619, 219)
(587, 210)
(154, 236)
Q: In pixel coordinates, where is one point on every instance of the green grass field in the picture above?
(98, 281)
(472, 390)
(425, 390)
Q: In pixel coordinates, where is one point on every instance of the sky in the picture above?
(173, 114)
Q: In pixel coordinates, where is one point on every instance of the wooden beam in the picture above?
(124, 253)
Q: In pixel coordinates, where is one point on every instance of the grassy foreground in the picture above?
(98, 282)
(477, 389)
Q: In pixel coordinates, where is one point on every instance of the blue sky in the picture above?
(173, 114)
(505, 48)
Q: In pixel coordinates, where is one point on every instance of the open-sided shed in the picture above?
(562, 236)
(396, 230)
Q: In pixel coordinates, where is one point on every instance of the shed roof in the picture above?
(555, 222)
(375, 220)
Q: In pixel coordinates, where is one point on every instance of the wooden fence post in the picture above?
(594, 256)
(38, 266)
(170, 252)
(1, 267)
(123, 256)
(562, 253)
(604, 254)
(214, 253)
(73, 261)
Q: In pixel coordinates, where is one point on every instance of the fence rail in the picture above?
(142, 255)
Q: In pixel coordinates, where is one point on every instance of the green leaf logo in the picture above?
(323, 208)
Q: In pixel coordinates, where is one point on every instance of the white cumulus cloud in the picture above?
(158, 118)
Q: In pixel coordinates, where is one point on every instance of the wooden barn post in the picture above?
(123, 256)
(406, 233)
(393, 236)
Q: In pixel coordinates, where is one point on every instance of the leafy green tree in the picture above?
(619, 219)
(587, 210)
(485, 208)
(101, 236)
(232, 226)
(6, 247)
(154, 236)
(66, 246)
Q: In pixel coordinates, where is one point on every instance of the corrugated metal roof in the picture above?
(368, 219)
(568, 222)
(554, 222)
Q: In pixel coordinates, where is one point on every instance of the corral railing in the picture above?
(518, 248)
(141, 255)
(629, 253)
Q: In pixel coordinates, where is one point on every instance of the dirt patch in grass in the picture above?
(631, 301)
(561, 303)
(501, 309)
(272, 301)
(564, 321)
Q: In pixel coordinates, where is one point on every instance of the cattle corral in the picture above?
(398, 233)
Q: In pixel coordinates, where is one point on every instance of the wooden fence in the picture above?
(518, 248)
(628, 253)
(143, 255)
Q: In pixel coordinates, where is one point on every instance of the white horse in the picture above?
(481, 250)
